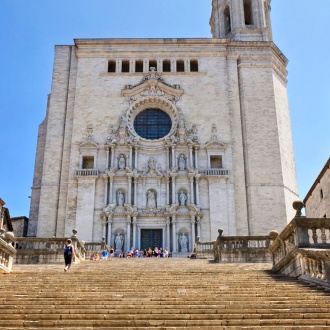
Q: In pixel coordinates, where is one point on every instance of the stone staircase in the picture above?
(158, 294)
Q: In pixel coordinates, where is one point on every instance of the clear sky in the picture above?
(29, 29)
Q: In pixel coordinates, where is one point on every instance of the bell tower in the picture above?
(241, 20)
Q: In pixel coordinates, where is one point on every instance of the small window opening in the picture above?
(139, 66)
(227, 20)
(166, 66)
(179, 66)
(193, 66)
(247, 12)
(216, 161)
(321, 193)
(125, 66)
(88, 162)
(112, 66)
(325, 216)
(152, 64)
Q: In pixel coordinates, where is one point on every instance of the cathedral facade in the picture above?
(158, 141)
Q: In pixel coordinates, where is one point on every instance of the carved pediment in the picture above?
(88, 145)
(173, 209)
(152, 85)
(214, 142)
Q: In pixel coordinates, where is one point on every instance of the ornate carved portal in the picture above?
(153, 184)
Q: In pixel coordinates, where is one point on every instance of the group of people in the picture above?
(133, 253)
(70, 254)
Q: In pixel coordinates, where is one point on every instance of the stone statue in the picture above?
(151, 201)
(151, 164)
(122, 122)
(182, 198)
(182, 163)
(111, 134)
(120, 198)
(183, 240)
(181, 121)
(122, 162)
(217, 245)
(119, 242)
(192, 134)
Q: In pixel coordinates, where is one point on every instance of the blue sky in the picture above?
(29, 29)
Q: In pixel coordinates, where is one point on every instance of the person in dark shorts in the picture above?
(69, 255)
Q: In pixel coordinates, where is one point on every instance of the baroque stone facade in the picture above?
(158, 141)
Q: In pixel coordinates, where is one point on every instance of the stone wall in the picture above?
(238, 88)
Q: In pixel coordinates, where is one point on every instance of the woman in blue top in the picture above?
(69, 255)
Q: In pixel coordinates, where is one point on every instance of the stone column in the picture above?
(173, 157)
(128, 240)
(199, 226)
(196, 157)
(129, 193)
(135, 189)
(111, 189)
(191, 163)
(136, 156)
(112, 156)
(130, 156)
(197, 176)
(144, 199)
(167, 157)
(134, 232)
(167, 232)
(187, 65)
(159, 65)
(105, 177)
(174, 194)
(174, 235)
(109, 229)
(173, 65)
(139, 237)
(104, 225)
(192, 198)
(107, 153)
(193, 234)
(167, 190)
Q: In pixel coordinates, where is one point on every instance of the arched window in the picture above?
(193, 66)
(112, 66)
(179, 66)
(152, 64)
(125, 66)
(227, 22)
(166, 66)
(248, 12)
(139, 66)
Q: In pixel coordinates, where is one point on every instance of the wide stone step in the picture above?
(158, 294)
(163, 323)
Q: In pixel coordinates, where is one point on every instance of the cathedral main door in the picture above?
(151, 238)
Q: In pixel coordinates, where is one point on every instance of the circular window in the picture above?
(152, 124)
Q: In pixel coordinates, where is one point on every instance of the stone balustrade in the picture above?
(36, 250)
(87, 172)
(216, 172)
(236, 248)
(7, 251)
(303, 250)
(95, 247)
